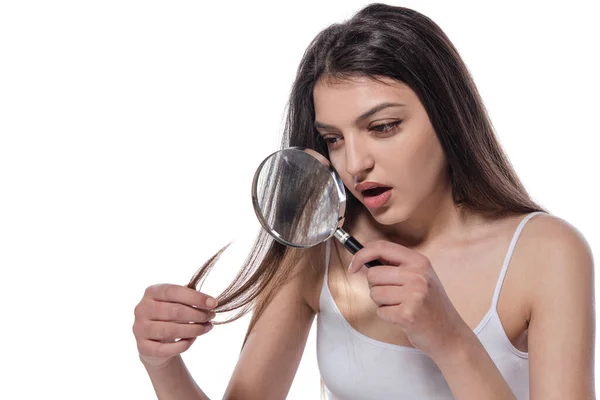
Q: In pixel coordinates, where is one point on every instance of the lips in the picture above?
(366, 188)
(375, 194)
(375, 191)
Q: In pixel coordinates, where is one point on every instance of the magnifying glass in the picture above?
(300, 200)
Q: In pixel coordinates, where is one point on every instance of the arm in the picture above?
(167, 312)
(561, 329)
(270, 356)
(269, 359)
(471, 373)
(272, 353)
(562, 326)
(173, 381)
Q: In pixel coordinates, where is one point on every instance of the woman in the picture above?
(482, 295)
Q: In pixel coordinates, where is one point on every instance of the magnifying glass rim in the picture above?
(341, 191)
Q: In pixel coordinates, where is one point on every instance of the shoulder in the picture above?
(561, 290)
(553, 240)
(559, 258)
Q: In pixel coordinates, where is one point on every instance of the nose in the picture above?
(358, 157)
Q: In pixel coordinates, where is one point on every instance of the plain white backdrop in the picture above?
(129, 134)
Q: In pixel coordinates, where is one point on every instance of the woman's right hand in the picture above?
(167, 321)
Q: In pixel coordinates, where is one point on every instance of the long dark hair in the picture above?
(402, 44)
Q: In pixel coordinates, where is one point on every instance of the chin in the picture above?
(389, 215)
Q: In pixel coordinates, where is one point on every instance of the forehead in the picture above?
(350, 96)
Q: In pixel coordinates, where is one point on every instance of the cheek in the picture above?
(416, 162)
(427, 162)
(435, 159)
(338, 163)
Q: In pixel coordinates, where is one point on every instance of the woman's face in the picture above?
(380, 133)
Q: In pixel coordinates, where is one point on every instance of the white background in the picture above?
(130, 131)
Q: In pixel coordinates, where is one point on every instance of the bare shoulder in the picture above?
(562, 323)
(559, 262)
(553, 254)
(553, 240)
(306, 273)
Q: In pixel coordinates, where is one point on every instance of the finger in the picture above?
(181, 294)
(395, 314)
(393, 253)
(169, 331)
(151, 348)
(180, 313)
(390, 275)
(387, 295)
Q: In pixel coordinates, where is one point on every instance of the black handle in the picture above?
(353, 245)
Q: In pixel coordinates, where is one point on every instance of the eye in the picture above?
(387, 127)
(332, 141)
(329, 142)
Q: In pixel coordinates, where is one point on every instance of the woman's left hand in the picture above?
(408, 293)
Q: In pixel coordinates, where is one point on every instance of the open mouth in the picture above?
(375, 191)
(376, 197)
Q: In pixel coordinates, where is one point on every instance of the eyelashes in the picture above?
(385, 127)
(331, 142)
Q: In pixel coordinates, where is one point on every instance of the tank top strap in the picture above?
(508, 256)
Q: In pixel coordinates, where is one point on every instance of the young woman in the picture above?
(482, 295)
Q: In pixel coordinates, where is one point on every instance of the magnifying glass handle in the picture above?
(353, 245)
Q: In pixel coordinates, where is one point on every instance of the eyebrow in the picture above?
(365, 115)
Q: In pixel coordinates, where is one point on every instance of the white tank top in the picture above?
(355, 366)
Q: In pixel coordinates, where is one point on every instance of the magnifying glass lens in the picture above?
(296, 198)
(300, 199)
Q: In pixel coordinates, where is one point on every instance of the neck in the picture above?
(438, 221)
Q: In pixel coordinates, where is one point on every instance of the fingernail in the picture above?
(211, 303)
(350, 265)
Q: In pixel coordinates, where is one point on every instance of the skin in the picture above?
(406, 156)
(442, 263)
(396, 146)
